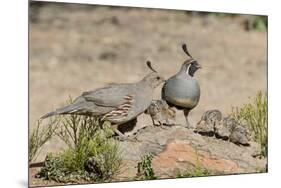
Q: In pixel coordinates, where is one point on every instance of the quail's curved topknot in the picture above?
(148, 63)
(185, 50)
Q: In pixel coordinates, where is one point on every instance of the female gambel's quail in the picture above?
(117, 103)
(182, 90)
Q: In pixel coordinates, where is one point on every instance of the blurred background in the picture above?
(75, 48)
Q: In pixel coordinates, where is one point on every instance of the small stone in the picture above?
(180, 159)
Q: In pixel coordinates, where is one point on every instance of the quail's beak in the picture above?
(198, 66)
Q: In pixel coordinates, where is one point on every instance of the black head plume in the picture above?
(185, 50)
(148, 63)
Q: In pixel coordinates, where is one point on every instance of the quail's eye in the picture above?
(158, 78)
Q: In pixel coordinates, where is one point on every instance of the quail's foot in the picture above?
(127, 138)
(162, 125)
(122, 137)
(169, 123)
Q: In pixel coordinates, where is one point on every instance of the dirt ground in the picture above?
(76, 48)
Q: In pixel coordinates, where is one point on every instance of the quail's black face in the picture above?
(192, 67)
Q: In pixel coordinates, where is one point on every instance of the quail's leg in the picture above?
(188, 125)
(153, 122)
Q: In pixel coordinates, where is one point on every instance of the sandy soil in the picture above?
(76, 48)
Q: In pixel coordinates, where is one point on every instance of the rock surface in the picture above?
(177, 148)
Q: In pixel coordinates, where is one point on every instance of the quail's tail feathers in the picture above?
(64, 110)
(49, 115)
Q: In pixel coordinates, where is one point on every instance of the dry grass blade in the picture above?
(40, 135)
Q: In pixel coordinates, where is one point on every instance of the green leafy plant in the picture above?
(92, 154)
(254, 116)
(197, 171)
(145, 170)
(260, 23)
(257, 23)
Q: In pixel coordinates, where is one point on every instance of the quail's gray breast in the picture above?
(182, 92)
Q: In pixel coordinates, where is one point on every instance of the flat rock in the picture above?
(177, 148)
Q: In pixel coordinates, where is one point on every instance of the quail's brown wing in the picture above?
(117, 96)
(110, 96)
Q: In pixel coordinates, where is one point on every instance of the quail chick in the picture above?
(182, 90)
(211, 123)
(209, 120)
(212, 117)
(240, 135)
(229, 123)
(236, 133)
(160, 113)
(223, 129)
(117, 103)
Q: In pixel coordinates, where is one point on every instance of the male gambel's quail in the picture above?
(117, 103)
(182, 90)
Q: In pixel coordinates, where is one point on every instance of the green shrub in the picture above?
(197, 171)
(92, 154)
(254, 115)
(91, 141)
(260, 23)
(145, 170)
(257, 23)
